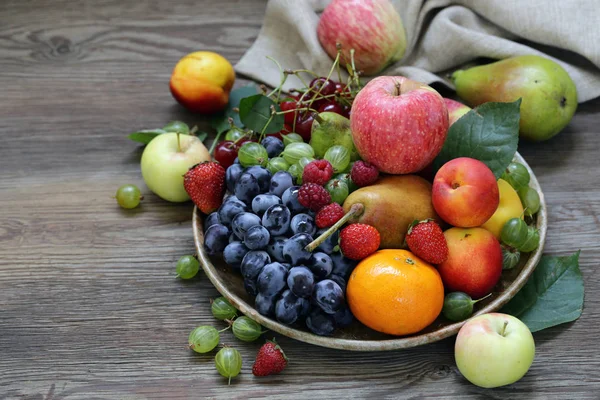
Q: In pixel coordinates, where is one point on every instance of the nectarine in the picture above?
(201, 82)
(465, 192)
(474, 263)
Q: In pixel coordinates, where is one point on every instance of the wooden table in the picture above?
(89, 304)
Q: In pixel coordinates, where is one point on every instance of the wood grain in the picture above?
(89, 305)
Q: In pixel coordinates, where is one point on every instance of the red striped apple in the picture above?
(398, 125)
(455, 110)
(372, 28)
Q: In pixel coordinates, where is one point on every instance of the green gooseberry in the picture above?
(516, 175)
(203, 339)
(510, 257)
(530, 200)
(228, 362)
(222, 309)
(246, 329)
(514, 232)
(187, 267)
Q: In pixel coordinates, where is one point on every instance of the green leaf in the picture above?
(553, 294)
(220, 122)
(177, 126)
(202, 136)
(256, 114)
(145, 136)
(488, 133)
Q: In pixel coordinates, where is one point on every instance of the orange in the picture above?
(395, 292)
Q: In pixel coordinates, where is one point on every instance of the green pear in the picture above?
(549, 96)
(330, 129)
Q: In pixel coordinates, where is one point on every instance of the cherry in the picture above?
(346, 111)
(342, 90)
(332, 106)
(288, 104)
(304, 126)
(226, 152)
(246, 139)
(322, 85)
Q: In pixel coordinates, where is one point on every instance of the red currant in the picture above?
(226, 152)
(332, 106)
(304, 126)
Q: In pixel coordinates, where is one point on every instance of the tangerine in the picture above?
(395, 292)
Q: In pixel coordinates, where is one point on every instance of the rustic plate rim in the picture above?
(386, 344)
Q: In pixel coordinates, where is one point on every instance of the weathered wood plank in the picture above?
(89, 305)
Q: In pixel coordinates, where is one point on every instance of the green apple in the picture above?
(166, 159)
(494, 350)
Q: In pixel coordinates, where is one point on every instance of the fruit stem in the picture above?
(504, 328)
(178, 143)
(194, 130)
(224, 329)
(318, 118)
(355, 211)
(483, 298)
(283, 79)
(398, 88)
(214, 143)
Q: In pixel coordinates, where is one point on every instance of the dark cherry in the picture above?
(332, 106)
(304, 125)
(226, 152)
(288, 104)
(246, 139)
(323, 85)
(346, 111)
(342, 89)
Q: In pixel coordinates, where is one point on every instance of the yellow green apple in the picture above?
(494, 350)
(509, 207)
(166, 159)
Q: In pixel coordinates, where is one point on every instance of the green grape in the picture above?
(296, 171)
(222, 309)
(345, 177)
(277, 164)
(514, 232)
(516, 175)
(292, 138)
(203, 339)
(339, 157)
(187, 267)
(293, 152)
(530, 200)
(128, 196)
(510, 257)
(228, 362)
(177, 126)
(303, 162)
(252, 153)
(338, 190)
(246, 329)
(234, 134)
(457, 306)
(532, 242)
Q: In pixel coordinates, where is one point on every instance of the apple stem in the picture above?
(178, 143)
(398, 88)
(504, 328)
(478, 300)
(356, 210)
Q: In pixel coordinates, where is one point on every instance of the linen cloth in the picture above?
(442, 36)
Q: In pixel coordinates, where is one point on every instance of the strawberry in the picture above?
(205, 184)
(270, 360)
(426, 240)
(358, 241)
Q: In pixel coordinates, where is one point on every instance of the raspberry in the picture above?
(358, 241)
(364, 173)
(329, 215)
(317, 171)
(313, 196)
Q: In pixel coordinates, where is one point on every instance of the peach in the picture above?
(201, 82)
(474, 263)
(509, 207)
(465, 192)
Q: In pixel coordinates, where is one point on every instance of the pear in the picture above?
(330, 129)
(390, 205)
(549, 96)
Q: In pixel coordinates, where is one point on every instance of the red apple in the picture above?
(455, 109)
(398, 125)
(372, 28)
(465, 192)
(474, 261)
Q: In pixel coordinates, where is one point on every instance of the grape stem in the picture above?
(356, 210)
